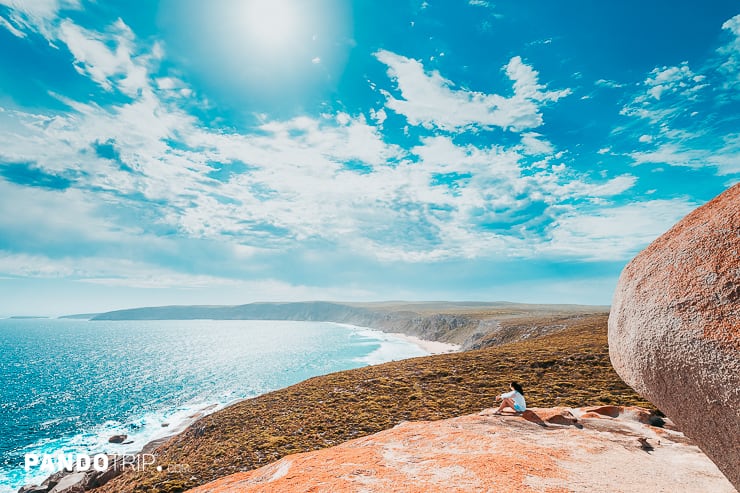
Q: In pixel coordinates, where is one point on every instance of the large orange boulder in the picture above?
(674, 327)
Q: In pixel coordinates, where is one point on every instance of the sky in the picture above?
(231, 151)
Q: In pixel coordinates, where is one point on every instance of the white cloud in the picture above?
(670, 98)
(300, 183)
(24, 265)
(272, 290)
(10, 27)
(108, 58)
(678, 79)
(613, 233)
(609, 83)
(733, 25)
(332, 179)
(51, 216)
(104, 271)
(526, 82)
(169, 83)
(378, 116)
(106, 66)
(558, 167)
(430, 100)
(534, 144)
(725, 158)
(38, 15)
(730, 52)
(554, 188)
(679, 83)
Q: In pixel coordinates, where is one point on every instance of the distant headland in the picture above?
(469, 324)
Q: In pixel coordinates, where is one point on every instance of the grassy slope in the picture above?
(569, 368)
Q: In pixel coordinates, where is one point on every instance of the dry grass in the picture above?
(568, 368)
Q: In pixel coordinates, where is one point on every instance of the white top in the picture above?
(519, 403)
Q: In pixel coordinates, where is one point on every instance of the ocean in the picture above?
(68, 385)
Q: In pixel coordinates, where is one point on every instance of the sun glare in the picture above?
(272, 24)
(275, 52)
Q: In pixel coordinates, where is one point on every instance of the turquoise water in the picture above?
(68, 385)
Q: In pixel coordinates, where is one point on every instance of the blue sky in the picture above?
(222, 152)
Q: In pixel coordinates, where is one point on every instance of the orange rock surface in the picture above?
(543, 450)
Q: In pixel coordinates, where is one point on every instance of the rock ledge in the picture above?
(552, 450)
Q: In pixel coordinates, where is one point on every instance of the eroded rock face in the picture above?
(674, 327)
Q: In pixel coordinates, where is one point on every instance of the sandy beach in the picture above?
(431, 347)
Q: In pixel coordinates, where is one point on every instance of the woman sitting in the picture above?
(514, 399)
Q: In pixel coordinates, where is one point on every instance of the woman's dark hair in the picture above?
(517, 387)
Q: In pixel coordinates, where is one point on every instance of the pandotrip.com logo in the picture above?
(81, 462)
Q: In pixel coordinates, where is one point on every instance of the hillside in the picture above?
(463, 323)
(567, 368)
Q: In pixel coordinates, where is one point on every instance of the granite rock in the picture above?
(674, 327)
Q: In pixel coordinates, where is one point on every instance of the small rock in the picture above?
(117, 438)
(562, 419)
(71, 483)
(611, 411)
(644, 445)
(33, 488)
(53, 479)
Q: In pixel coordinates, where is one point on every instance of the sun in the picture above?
(272, 25)
(269, 53)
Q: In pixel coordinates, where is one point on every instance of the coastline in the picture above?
(182, 425)
(431, 347)
(172, 424)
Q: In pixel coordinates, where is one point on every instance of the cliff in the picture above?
(471, 325)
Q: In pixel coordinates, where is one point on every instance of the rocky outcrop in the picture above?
(674, 328)
(544, 450)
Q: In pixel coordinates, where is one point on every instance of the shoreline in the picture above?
(431, 347)
(182, 425)
(171, 428)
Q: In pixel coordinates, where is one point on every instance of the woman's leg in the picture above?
(508, 402)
